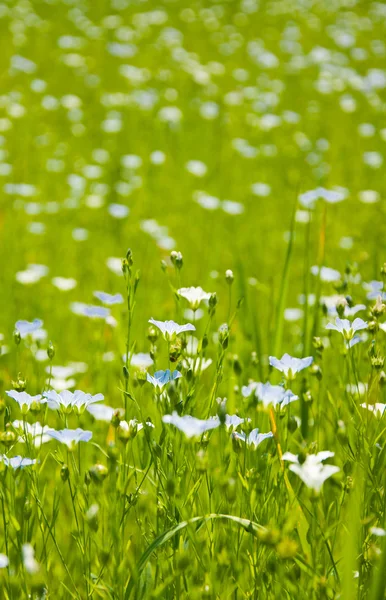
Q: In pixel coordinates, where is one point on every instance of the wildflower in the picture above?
(161, 378)
(191, 426)
(67, 400)
(102, 412)
(88, 310)
(254, 438)
(348, 329)
(27, 327)
(194, 296)
(326, 274)
(170, 329)
(17, 462)
(30, 563)
(70, 437)
(142, 360)
(35, 431)
(269, 394)
(312, 472)
(197, 365)
(25, 401)
(64, 284)
(378, 409)
(289, 365)
(109, 299)
(4, 561)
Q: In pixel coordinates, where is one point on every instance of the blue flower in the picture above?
(17, 462)
(161, 378)
(88, 310)
(348, 329)
(109, 299)
(27, 327)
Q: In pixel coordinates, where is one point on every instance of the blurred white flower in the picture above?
(70, 437)
(312, 472)
(170, 329)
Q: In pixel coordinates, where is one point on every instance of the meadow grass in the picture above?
(188, 193)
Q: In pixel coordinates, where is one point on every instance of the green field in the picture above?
(220, 165)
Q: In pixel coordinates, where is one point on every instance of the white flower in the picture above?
(170, 329)
(233, 421)
(378, 531)
(35, 431)
(17, 462)
(326, 274)
(30, 563)
(289, 365)
(197, 364)
(64, 284)
(109, 299)
(377, 409)
(312, 472)
(24, 400)
(102, 412)
(27, 327)
(67, 400)
(348, 329)
(194, 295)
(269, 394)
(4, 562)
(70, 437)
(253, 439)
(191, 426)
(142, 360)
(161, 378)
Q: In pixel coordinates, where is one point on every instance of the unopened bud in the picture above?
(50, 351)
(229, 277)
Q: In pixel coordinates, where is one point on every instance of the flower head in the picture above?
(109, 299)
(289, 365)
(27, 327)
(70, 437)
(312, 472)
(348, 329)
(170, 329)
(254, 438)
(377, 409)
(194, 296)
(269, 394)
(67, 400)
(161, 378)
(35, 431)
(25, 400)
(191, 426)
(17, 462)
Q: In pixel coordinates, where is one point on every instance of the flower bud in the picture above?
(316, 371)
(177, 259)
(98, 473)
(223, 336)
(20, 384)
(8, 438)
(229, 277)
(91, 517)
(318, 344)
(64, 473)
(16, 337)
(50, 350)
(152, 334)
(377, 362)
(27, 510)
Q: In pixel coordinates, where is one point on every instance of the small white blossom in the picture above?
(191, 426)
(289, 365)
(312, 472)
(70, 437)
(194, 295)
(254, 438)
(170, 329)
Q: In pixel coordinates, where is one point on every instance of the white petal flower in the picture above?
(312, 472)
(30, 563)
(102, 412)
(254, 438)
(289, 365)
(348, 329)
(70, 437)
(194, 295)
(67, 400)
(191, 426)
(17, 462)
(4, 561)
(378, 409)
(25, 400)
(35, 431)
(170, 329)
